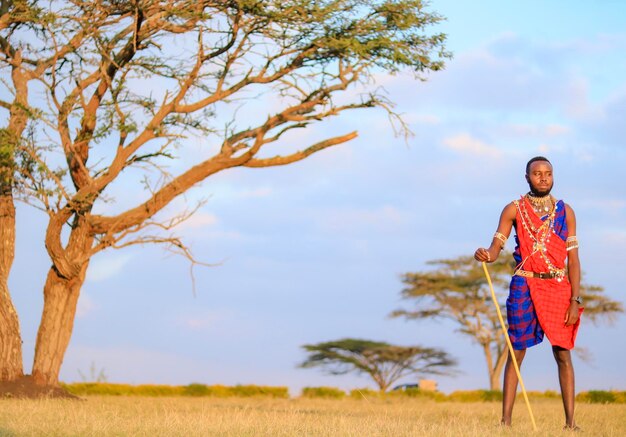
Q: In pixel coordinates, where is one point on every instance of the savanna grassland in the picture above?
(145, 416)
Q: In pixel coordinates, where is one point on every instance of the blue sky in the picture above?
(313, 251)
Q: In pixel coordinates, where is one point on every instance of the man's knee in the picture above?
(519, 355)
(562, 356)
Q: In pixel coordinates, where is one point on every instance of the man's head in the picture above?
(539, 176)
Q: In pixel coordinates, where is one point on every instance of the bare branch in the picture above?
(299, 156)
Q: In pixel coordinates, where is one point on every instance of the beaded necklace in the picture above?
(540, 236)
(543, 204)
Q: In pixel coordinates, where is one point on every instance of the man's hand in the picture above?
(483, 255)
(571, 316)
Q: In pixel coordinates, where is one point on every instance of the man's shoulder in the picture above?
(510, 209)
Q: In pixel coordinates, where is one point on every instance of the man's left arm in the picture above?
(573, 266)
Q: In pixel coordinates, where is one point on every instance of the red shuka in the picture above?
(551, 297)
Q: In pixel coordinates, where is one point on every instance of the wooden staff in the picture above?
(508, 342)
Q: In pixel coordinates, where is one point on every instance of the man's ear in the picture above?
(527, 178)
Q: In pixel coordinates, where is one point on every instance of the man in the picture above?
(544, 294)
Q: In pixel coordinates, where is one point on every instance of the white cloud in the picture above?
(466, 144)
(204, 321)
(536, 130)
(577, 104)
(107, 267)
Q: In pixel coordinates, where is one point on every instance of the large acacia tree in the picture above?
(457, 290)
(383, 362)
(94, 90)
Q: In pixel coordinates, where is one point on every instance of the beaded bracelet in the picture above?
(501, 237)
(571, 243)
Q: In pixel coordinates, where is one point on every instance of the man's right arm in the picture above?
(505, 226)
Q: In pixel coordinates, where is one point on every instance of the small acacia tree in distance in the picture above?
(383, 362)
(96, 92)
(457, 290)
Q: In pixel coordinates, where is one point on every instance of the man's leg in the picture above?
(510, 386)
(563, 359)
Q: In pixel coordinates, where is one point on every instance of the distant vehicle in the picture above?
(405, 387)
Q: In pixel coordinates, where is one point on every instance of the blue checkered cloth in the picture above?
(524, 328)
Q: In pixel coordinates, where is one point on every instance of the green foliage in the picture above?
(602, 397)
(457, 289)
(599, 306)
(388, 34)
(196, 390)
(548, 394)
(245, 391)
(383, 362)
(192, 390)
(416, 393)
(7, 164)
(475, 396)
(411, 393)
(259, 390)
(323, 392)
(365, 393)
(95, 388)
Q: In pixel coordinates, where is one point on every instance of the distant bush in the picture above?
(364, 393)
(196, 389)
(97, 388)
(602, 397)
(105, 389)
(548, 394)
(475, 396)
(323, 392)
(368, 393)
(222, 391)
(259, 390)
(419, 394)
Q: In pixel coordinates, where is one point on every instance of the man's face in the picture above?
(539, 178)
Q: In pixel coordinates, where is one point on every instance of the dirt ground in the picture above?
(25, 388)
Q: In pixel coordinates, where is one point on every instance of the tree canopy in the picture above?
(383, 362)
(99, 93)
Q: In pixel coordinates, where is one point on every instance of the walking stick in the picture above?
(508, 342)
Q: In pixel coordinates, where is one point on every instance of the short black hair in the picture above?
(535, 159)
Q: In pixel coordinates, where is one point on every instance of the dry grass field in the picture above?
(142, 416)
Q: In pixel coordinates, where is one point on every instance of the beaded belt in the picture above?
(540, 275)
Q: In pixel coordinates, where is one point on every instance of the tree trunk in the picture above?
(57, 322)
(494, 380)
(496, 383)
(11, 366)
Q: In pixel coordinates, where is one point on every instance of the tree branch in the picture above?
(299, 156)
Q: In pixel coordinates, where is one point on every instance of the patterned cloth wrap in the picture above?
(535, 305)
